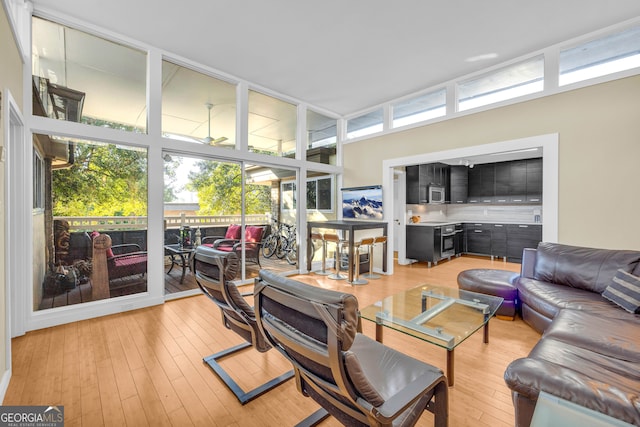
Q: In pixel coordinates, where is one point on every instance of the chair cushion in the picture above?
(253, 234)
(233, 232)
(624, 291)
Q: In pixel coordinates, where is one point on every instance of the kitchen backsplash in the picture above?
(484, 213)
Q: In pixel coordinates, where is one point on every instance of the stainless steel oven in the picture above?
(448, 241)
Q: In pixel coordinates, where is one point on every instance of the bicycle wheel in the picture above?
(282, 248)
(269, 246)
(292, 254)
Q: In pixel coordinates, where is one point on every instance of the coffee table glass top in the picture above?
(441, 316)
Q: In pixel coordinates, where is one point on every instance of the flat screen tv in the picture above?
(362, 203)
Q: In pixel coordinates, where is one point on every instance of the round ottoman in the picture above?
(498, 283)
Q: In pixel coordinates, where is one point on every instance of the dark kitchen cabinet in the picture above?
(498, 240)
(511, 181)
(482, 183)
(534, 180)
(520, 236)
(478, 238)
(420, 177)
(459, 184)
(413, 184)
(423, 243)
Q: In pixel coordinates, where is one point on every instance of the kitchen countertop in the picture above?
(440, 223)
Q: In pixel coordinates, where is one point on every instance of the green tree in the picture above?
(219, 189)
(104, 180)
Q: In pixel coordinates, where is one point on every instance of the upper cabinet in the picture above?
(513, 182)
(482, 183)
(459, 184)
(420, 177)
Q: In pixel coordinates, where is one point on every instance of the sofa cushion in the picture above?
(578, 374)
(548, 299)
(624, 291)
(617, 338)
(583, 268)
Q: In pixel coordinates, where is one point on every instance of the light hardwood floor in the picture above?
(145, 367)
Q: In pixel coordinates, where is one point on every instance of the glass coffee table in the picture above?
(441, 316)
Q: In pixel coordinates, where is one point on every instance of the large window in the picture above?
(272, 125)
(97, 192)
(197, 107)
(320, 193)
(419, 109)
(606, 55)
(365, 124)
(322, 138)
(83, 78)
(506, 83)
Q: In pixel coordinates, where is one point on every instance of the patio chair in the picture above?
(111, 263)
(214, 271)
(253, 241)
(357, 380)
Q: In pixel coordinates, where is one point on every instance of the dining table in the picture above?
(349, 227)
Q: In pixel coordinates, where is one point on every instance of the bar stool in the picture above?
(356, 254)
(320, 237)
(334, 238)
(376, 240)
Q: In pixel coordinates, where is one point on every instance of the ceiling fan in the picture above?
(209, 140)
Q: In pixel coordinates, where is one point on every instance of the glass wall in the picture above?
(615, 52)
(366, 124)
(419, 109)
(93, 224)
(272, 125)
(84, 78)
(197, 107)
(322, 138)
(506, 83)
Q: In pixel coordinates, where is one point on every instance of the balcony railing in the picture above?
(109, 223)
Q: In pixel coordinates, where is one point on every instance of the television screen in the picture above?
(362, 203)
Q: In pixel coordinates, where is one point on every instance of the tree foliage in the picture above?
(104, 180)
(219, 188)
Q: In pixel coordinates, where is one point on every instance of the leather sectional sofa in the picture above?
(589, 352)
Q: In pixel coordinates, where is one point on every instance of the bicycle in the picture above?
(282, 242)
(273, 241)
(289, 245)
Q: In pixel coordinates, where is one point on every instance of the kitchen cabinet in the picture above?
(458, 242)
(534, 180)
(520, 236)
(419, 177)
(498, 240)
(478, 239)
(511, 181)
(481, 183)
(459, 184)
(423, 243)
(413, 184)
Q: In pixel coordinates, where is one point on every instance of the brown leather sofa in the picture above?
(589, 352)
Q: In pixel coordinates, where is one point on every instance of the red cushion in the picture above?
(109, 253)
(252, 233)
(233, 232)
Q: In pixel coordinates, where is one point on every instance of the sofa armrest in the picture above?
(528, 263)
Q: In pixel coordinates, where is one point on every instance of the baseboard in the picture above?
(4, 384)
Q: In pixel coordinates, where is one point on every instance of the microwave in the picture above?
(436, 194)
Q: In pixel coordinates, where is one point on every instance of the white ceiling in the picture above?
(346, 56)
